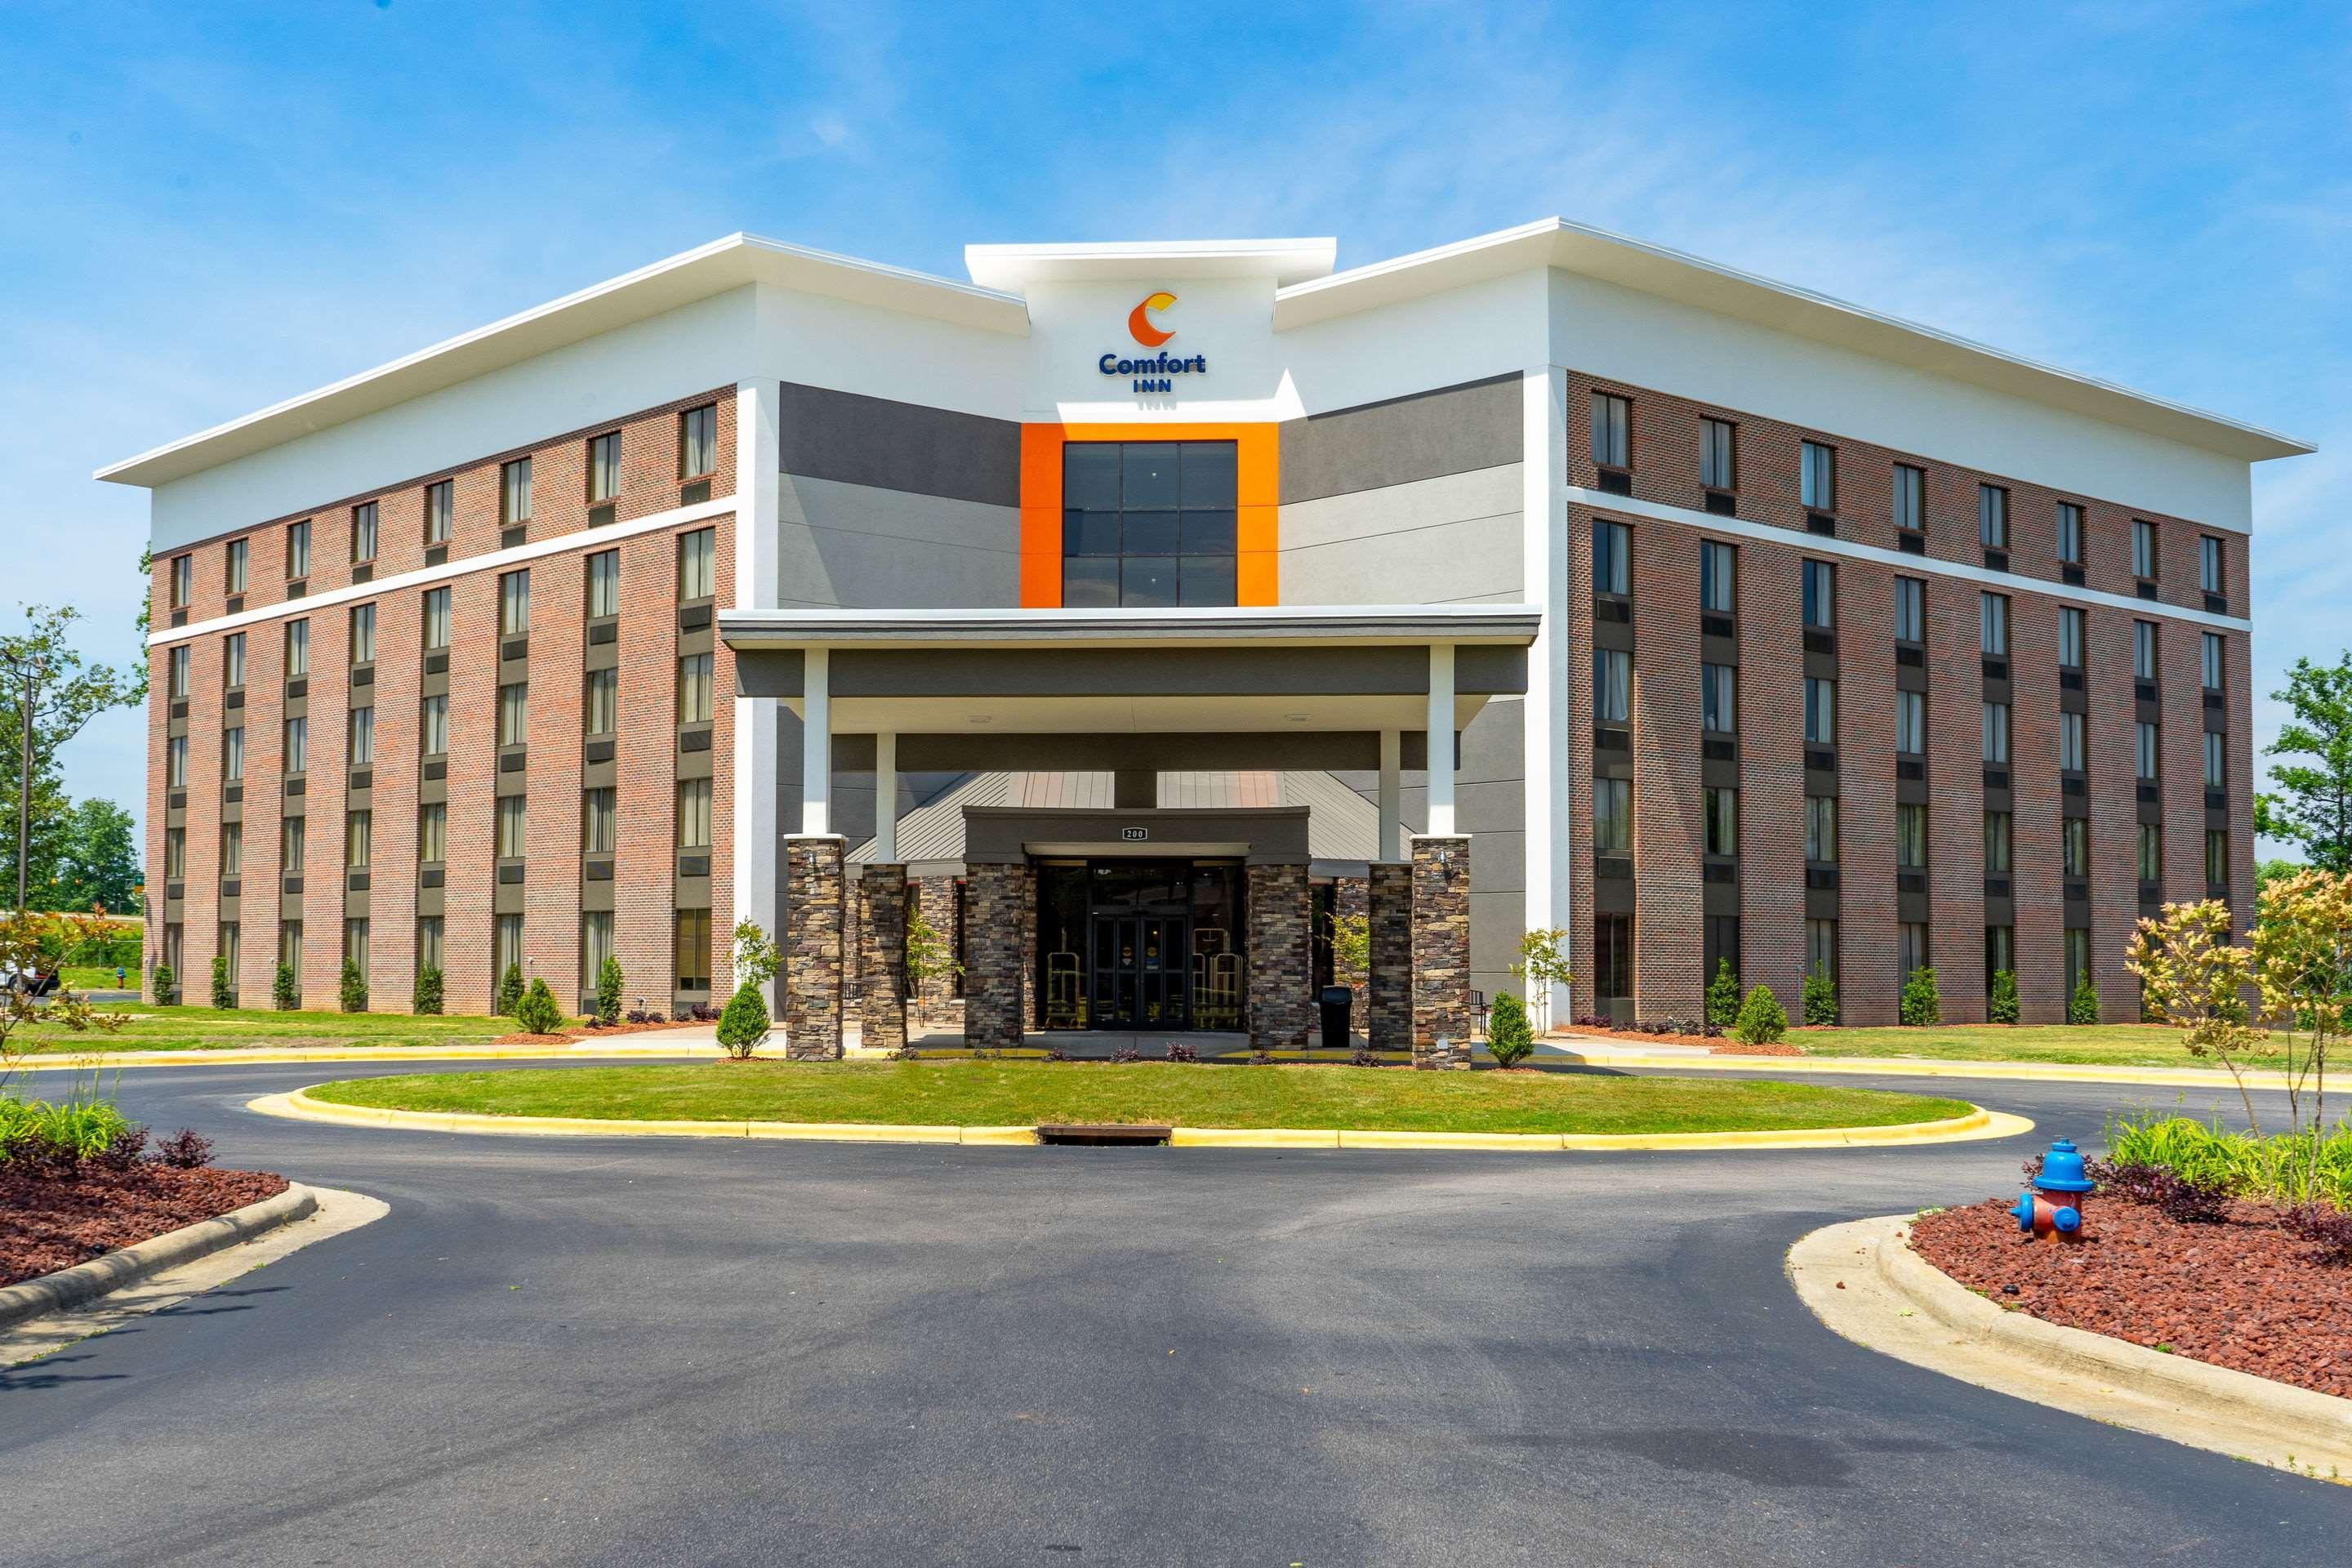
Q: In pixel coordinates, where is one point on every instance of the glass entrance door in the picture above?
(1141, 970)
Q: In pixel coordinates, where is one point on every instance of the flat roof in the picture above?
(1269, 625)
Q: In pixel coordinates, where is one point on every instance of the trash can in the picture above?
(1336, 1000)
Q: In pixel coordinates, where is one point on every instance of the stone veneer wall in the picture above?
(882, 957)
(933, 1001)
(994, 982)
(1280, 1003)
(1441, 951)
(1389, 1006)
(1352, 896)
(816, 901)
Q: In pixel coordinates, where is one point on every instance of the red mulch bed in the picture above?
(1721, 1044)
(2243, 1293)
(607, 1032)
(48, 1223)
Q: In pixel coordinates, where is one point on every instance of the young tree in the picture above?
(1723, 996)
(23, 951)
(609, 985)
(743, 1022)
(2313, 806)
(426, 997)
(1508, 1039)
(354, 987)
(2303, 966)
(1543, 964)
(1761, 1018)
(2083, 1008)
(1351, 949)
(2192, 976)
(757, 957)
(509, 991)
(1819, 998)
(1922, 1003)
(2001, 1004)
(224, 984)
(538, 1013)
(283, 993)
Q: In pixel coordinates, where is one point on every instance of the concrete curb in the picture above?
(1863, 1281)
(1978, 1123)
(87, 1061)
(1909, 1066)
(86, 1282)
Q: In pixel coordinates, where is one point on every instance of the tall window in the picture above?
(1822, 828)
(433, 725)
(231, 950)
(289, 947)
(2147, 751)
(178, 665)
(293, 844)
(440, 510)
(1997, 832)
(514, 713)
(431, 832)
(2143, 548)
(514, 602)
(601, 705)
(233, 754)
(1996, 731)
(428, 943)
(1820, 595)
(176, 762)
(175, 853)
(2217, 856)
(1612, 431)
(1993, 615)
(596, 821)
(596, 946)
(604, 583)
(1718, 577)
(1821, 711)
(436, 619)
(232, 851)
(233, 660)
(1911, 836)
(1721, 807)
(360, 737)
(1718, 695)
(298, 550)
(2078, 957)
(2209, 665)
(2151, 852)
(1910, 610)
(2070, 533)
(355, 945)
(2070, 743)
(363, 531)
(694, 950)
(1822, 948)
(358, 839)
(1911, 939)
(183, 581)
(2217, 760)
(363, 633)
(1613, 957)
(511, 840)
(1613, 817)
(1992, 517)
(506, 946)
(514, 491)
(1612, 557)
(2070, 637)
(2074, 845)
(1817, 475)
(1148, 523)
(240, 559)
(2144, 649)
(1612, 686)
(2208, 563)
(2000, 952)
(1718, 455)
(1910, 498)
(698, 441)
(298, 648)
(603, 467)
(297, 744)
(697, 564)
(694, 813)
(695, 696)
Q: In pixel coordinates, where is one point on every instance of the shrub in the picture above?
(1761, 1018)
(2184, 1200)
(2283, 1167)
(537, 1012)
(703, 1013)
(509, 992)
(1129, 1054)
(428, 990)
(609, 982)
(2000, 1007)
(354, 987)
(40, 1132)
(1723, 994)
(2323, 1224)
(1182, 1053)
(743, 1025)
(164, 983)
(223, 988)
(125, 1151)
(1819, 998)
(185, 1149)
(1362, 1057)
(1508, 1039)
(2084, 1006)
(1921, 1003)
(282, 994)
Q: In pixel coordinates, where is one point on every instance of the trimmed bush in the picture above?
(1762, 1020)
(537, 1011)
(2000, 1007)
(1922, 1004)
(1819, 998)
(428, 990)
(223, 989)
(354, 987)
(282, 994)
(1508, 1039)
(2083, 1008)
(1723, 996)
(509, 992)
(164, 983)
(744, 1023)
(609, 982)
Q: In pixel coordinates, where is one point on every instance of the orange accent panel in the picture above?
(1257, 491)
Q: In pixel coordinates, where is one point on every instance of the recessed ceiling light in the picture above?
(1296, 717)
(983, 718)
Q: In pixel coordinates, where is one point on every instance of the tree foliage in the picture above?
(426, 997)
(2313, 806)
(1762, 1019)
(1723, 996)
(538, 1013)
(509, 991)
(757, 957)
(743, 1023)
(610, 983)
(1923, 1004)
(1819, 998)
(2001, 1003)
(354, 989)
(1508, 1039)
(24, 941)
(224, 984)
(69, 691)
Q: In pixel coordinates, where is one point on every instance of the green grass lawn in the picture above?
(78, 978)
(1023, 1093)
(154, 1028)
(2101, 1045)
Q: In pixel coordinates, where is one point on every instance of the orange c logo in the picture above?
(1139, 321)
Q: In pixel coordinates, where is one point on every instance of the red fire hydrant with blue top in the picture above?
(2054, 1209)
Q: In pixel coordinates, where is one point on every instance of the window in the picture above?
(2151, 852)
(297, 744)
(233, 754)
(603, 467)
(2144, 649)
(1910, 610)
(1613, 958)
(596, 821)
(1822, 828)
(1821, 711)
(1148, 523)
(232, 851)
(181, 657)
(1997, 842)
(2074, 845)
(596, 946)
(1911, 836)
(1817, 475)
(363, 533)
(428, 943)
(440, 510)
(176, 762)
(355, 945)
(358, 838)
(694, 689)
(1993, 624)
(1911, 940)
(2070, 533)
(363, 633)
(293, 844)
(698, 441)
(601, 707)
(2208, 563)
(1910, 498)
(2070, 743)
(1718, 455)
(1996, 731)
(694, 950)
(1722, 809)
(1613, 817)
(298, 550)
(2217, 856)
(2078, 957)
(436, 618)
(1612, 431)
(175, 853)
(1820, 595)
(1612, 686)
(239, 557)
(697, 564)
(514, 713)
(360, 737)
(1718, 695)
(1612, 558)
(1822, 948)
(2070, 637)
(506, 947)
(514, 602)
(511, 840)
(2217, 760)
(298, 648)
(431, 832)
(514, 491)
(2000, 953)
(603, 583)
(1911, 723)
(183, 581)
(1721, 945)
(289, 947)
(2143, 548)
(1718, 577)
(2209, 661)
(433, 724)
(2148, 749)
(1992, 517)
(694, 813)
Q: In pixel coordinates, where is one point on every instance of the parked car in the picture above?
(30, 981)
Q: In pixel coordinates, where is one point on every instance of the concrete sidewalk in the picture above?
(1599, 1051)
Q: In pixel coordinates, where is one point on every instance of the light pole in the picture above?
(31, 669)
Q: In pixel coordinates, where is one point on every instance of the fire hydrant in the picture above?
(2054, 1209)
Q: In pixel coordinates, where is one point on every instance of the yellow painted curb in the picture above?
(1254, 1137)
(1524, 1142)
(855, 1132)
(1920, 1066)
(61, 1061)
(1005, 1136)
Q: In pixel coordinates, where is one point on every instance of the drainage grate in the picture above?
(1103, 1133)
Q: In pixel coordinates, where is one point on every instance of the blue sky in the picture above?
(203, 209)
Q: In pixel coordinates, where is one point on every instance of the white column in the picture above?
(1392, 796)
(758, 457)
(816, 741)
(1548, 716)
(1440, 739)
(886, 798)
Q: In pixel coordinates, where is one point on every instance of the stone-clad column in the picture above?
(1280, 1003)
(1351, 897)
(992, 980)
(882, 958)
(816, 904)
(1388, 1009)
(933, 1001)
(1441, 951)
